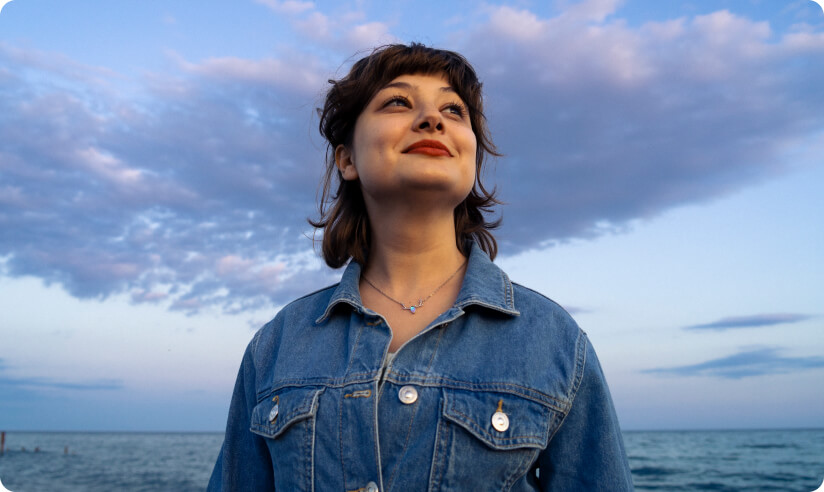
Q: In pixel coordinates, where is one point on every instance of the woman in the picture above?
(425, 368)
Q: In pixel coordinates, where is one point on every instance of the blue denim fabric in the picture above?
(312, 410)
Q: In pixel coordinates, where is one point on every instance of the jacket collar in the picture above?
(484, 285)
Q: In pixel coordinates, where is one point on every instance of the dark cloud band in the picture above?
(746, 363)
(194, 192)
(754, 321)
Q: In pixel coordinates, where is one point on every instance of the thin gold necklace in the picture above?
(412, 307)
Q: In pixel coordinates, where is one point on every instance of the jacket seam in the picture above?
(580, 363)
(498, 387)
(437, 382)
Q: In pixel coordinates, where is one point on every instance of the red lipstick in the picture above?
(428, 147)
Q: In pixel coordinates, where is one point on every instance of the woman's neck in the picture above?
(410, 253)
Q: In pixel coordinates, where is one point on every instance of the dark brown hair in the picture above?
(343, 217)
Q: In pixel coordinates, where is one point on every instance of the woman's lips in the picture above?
(428, 147)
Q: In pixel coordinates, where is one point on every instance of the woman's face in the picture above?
(413, 141)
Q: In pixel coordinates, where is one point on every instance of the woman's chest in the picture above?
(450, 412)
(403, 436)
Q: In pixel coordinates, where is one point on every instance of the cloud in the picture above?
(369, 34)
(29, 383)
(746, 363)
(193, 189)
(287, 6)
(302, 77)
(754, 321)
(344, 32)
(46, 383)
(149, 197)
(605, 122)
(589, 10)
(518, 25)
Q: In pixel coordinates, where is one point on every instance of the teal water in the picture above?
(102, 461)
(763, 460)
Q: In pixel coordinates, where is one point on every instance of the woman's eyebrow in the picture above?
(410, 87)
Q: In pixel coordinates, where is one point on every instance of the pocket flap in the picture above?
(282, 408)
(527, 422)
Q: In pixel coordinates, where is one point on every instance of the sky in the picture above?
(662, 171)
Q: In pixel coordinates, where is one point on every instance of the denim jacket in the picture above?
(501, 392)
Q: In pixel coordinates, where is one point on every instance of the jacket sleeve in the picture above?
(244, 462)
(587, 452)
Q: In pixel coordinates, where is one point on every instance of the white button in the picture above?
(500, 421)
(371, 487)
(408, 395)
(273, 414)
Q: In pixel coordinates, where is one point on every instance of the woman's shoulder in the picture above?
(317, 299)
(301, 312)
(551, 325)
(534, 303)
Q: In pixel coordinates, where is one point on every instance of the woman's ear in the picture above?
(345, 163)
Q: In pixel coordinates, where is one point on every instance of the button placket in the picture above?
(408, 395)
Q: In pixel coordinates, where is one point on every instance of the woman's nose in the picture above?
(430, 119)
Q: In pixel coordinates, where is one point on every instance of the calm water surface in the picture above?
(108, 461)
(678, 461)
(762, 460)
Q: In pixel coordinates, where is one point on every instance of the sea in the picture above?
(733, 460)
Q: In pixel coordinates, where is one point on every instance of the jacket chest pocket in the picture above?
(488, 440)
(286, 421)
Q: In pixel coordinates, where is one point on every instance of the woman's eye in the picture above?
(456, 109)
(397, 101)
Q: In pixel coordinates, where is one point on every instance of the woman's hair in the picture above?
(343, 218)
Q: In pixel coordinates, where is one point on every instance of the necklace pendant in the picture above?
(412, 308)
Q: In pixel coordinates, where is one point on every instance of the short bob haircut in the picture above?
(343, 218)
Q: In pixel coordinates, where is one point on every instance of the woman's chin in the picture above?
(429, 194)
(437, 178)
(435, 188)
